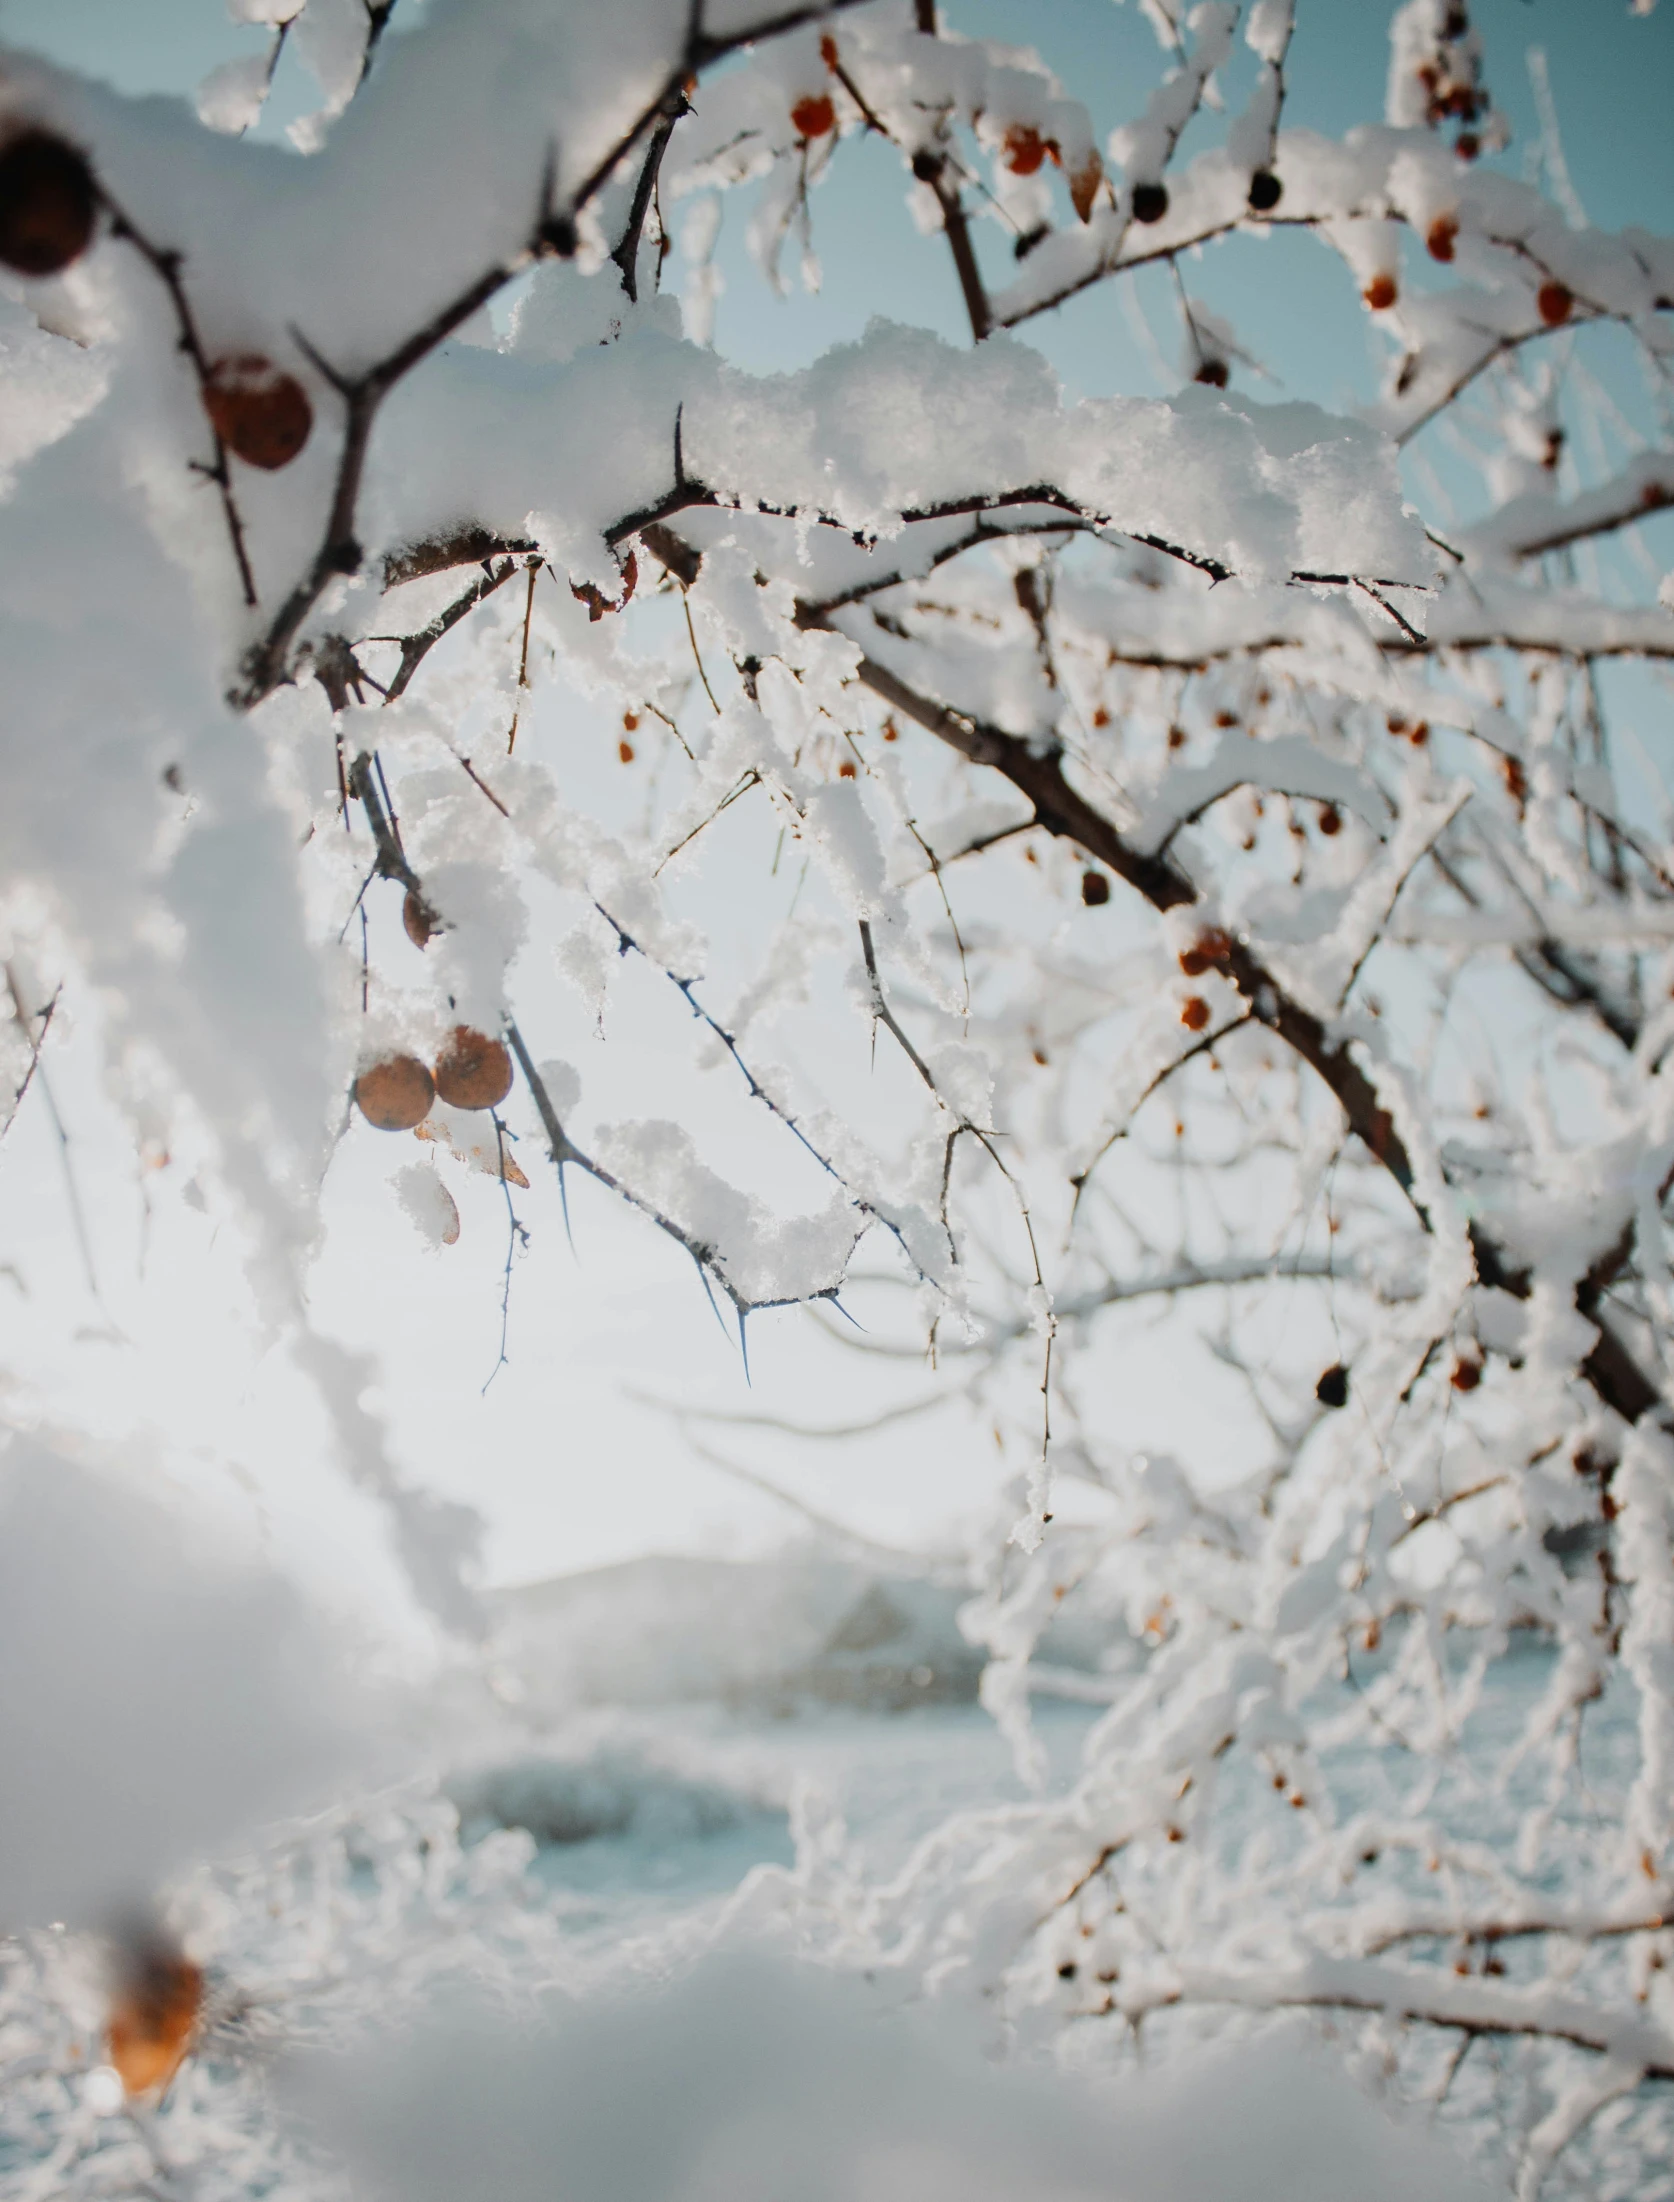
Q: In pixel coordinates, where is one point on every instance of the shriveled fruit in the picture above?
(1442, 236)
(153, 2012)
(813, 116)
(1380, 293)
(1555, 301)
(395, 1094)
(1333, 1387)
(1150, 202)
(1265, 191)
(259, 412)
(1095, 889)
(1213, 372)
(48, 203)
(1467, 1373)
(1211, 946)
(1194, 1013)
(473, 1071)
(1330, 818)
(418, 919)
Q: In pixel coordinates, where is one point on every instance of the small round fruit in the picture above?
(1333, 1387)
(1194, 1013)
(395, 1094)
(1025, 149)
(1554, 302)
(1150, 202)
(1442, 236)
(259, 412)
(1467, 1374)
(814, 116)
(473, 1071)
(1265, 191)
(48, 203)
(1469, 145)
(625, 750)
(1380, 293)
(1330, 818)
(1213, 372)
(1095, 890)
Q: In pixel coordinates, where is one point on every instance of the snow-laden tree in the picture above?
(1229, 865)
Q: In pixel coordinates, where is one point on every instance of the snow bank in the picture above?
(757, 2082)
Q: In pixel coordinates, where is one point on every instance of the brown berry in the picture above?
(1177, 737)
(813, 116)
(625, 750)
(1101, 717)
(892, 733)
(1469, 145)
(1444, 232)
(1025, 149)
(1194, 1013)
(845, 771)
(1467, 1374)
(1213, 372)
(418, 919)
(1380, 293)
(48, 202)
(259, 412)
(395, 1094)
(1555, 301)
(1095, 890)
(630, 719)
(1330, 818)
(1150, 202)
(1265, 191)
(473, 1071)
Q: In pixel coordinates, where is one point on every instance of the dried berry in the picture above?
(259, 412)
(1467, 1374)
(1095, 890)
(1150, 202)
(1194, 1013)
(48, 203)
(1330, 818)
(395, 1094)
(1469, 145)
(1265, 191)
(473, 1071)
(1380, 293)
(813, 116)
(418, 919)
(1332, 1390)
(1213, 372)
(625, 750)
(1554, 302)
(1443, 235)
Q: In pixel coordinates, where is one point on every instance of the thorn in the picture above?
(744, 1346)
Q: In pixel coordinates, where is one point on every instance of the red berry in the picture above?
(1444, 230)
(1025, 149)
(1380, 293)
(1555, 301)
(48, 202)
(259, 412)
(1194, 1013)
(813, 116)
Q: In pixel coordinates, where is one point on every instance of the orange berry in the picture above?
(1101, 717)
(259, 412)
(814, 115)
(395, 1094)
(625, 750)
(153, 2014)
(1194, 1013)
(48, 204)
(473, 1071)
(630, 719)
(845, 771)
(1025, 149)
(1380, 293)
(828, 50)
(1554, 302)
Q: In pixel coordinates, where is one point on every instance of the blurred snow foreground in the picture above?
(1261, 916)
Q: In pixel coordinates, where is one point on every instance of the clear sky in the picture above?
(569, 1466)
